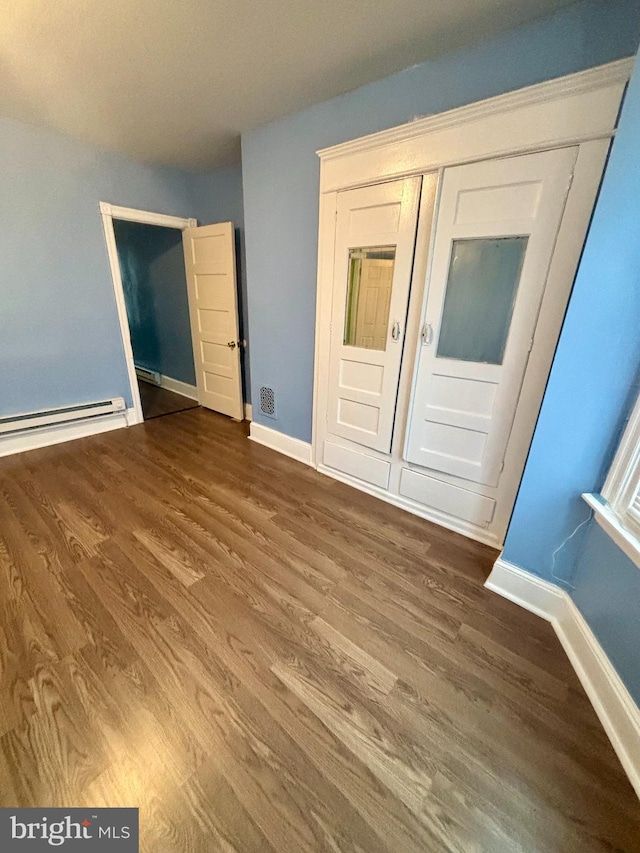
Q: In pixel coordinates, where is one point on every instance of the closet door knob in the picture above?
(395, 331)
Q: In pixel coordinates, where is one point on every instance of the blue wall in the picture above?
(281, 173)
(217, 197)
(155, 290)
(592, 386)
(59, 334)
(607, 591)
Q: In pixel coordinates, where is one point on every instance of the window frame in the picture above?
(613, 508)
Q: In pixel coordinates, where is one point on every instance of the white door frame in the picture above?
(109, 213)
(579, 109)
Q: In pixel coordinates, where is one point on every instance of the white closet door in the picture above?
(496, 228)
(375, 236)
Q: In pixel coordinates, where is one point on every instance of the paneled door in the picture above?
(495, 234)
(210, 262)
(375, 241)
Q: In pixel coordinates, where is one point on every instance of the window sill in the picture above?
(608, 521)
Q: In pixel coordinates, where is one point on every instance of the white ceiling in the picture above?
(176, 81)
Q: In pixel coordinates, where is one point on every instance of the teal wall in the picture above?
(281, 173)
(155, 289)
(591, 390)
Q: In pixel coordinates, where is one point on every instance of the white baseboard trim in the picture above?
(179, 387)
(616, 709)
(611, 700)
(248, 412)
(58, 433)
(293, 447)
(541, 597)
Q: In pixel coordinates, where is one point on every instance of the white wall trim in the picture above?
(626, 458)
(612, 702)
(562, 111)
(58, 433)
(621, 517)
(293, 447)
(130, 417)
(110, 212)
(248, 412)
(146, 217)
(609, 521)
(178, 387)
(559, 87)
(541, 597)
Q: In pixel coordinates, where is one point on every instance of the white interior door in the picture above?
(372, 308)
(375, 236)
(496, 229)
(210, 261)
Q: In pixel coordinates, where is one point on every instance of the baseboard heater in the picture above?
(61, 415)
(148, 375)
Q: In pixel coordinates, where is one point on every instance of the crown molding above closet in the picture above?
(571, 109)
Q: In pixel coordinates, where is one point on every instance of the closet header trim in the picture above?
(565, 111)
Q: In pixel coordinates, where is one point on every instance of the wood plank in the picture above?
(261, 658)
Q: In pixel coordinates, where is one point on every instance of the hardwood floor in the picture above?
(261, 658)
(157, 402)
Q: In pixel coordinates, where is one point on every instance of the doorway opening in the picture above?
(176, 295)
(154, 283)
(128, 248)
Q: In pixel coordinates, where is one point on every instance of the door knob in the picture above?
(231, 344)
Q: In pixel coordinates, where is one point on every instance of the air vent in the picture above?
(267, 401)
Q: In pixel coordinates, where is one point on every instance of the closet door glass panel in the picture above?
(495, 235)
(481, 290)
(369, 297)
(375, 242)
